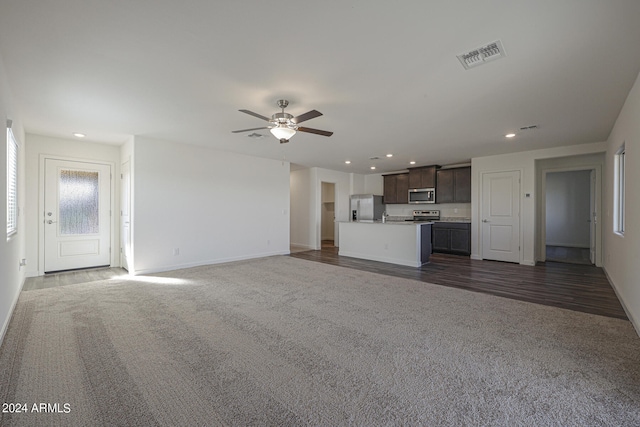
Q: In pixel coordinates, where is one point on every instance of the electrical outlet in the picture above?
(176, 251)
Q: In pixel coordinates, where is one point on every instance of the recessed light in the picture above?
(348, 162)
(510, 135)
(389, 155)
(412, 162)
(373, 167)
(79, 135)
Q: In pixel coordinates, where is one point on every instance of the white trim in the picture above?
(542, 234)
(206, 262)
(634, 322)
(5, 326)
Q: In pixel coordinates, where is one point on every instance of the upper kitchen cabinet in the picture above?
(396, 188)
(424, 177)
(454, 185)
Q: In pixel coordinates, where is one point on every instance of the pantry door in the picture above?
(501, 216)
(77, 215)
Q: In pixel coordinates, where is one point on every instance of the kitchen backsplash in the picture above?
(447, 210)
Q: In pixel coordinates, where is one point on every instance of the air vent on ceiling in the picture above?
(482, 54)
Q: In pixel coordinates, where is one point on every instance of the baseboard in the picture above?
(476, 257)
(303, 245)
(205, 262)
(568, 245)
(633, 321)
(380, 259)
(5, 325)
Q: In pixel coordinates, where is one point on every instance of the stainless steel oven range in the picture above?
(424, 216)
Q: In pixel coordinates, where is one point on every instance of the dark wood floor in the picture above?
(576, 287)
(566, 254)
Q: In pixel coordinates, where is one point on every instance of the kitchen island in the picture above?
(403, 243)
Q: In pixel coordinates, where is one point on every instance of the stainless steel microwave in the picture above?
(422, 195)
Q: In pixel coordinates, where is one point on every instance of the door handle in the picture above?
(51, 222)
(485, 220)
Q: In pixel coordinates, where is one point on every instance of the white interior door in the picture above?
(77, 208)
(501, 216)
(125, 219)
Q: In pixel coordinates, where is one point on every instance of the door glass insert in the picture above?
(79, 193)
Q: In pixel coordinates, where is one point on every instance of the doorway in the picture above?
(76, 215)
(570, 216)
(328, 214)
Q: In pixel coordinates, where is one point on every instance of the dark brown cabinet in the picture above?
(396, 188)
(424, 177)
(451, 237)
(453, 185)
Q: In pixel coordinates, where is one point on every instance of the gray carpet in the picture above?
(283, 341)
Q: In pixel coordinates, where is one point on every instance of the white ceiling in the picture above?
(384, 74)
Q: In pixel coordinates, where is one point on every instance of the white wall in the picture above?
(373, 184)
(12, 250)
(621, 260)
(525, 162)
(37, 147)
(212, 206)
(306, 203)
(301, 190)
(568, 197)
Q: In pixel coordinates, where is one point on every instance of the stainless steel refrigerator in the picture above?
(366, 207)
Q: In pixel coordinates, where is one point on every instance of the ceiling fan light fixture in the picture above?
(282, 131)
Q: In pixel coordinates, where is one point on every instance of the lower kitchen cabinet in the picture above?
(451, 237)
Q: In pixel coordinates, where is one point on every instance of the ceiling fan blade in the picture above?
(306, 116)
(247, 130)
(260, 116)
(316, 131)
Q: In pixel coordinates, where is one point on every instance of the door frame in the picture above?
(596, 194)
(322, 214)
(481, 207)
(113, 241)
(129, 192)
(319, 214)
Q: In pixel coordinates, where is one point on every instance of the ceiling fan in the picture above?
(284, 125)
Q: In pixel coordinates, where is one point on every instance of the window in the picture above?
(618, 207)
(12, 183)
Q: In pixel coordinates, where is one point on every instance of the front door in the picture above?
(501, 216)
(77, 208)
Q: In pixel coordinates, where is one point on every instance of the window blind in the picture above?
(12, 184)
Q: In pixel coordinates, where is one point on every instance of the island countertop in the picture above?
(402, 242)
(366, 221)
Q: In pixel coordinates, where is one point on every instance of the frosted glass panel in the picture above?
(78, 202)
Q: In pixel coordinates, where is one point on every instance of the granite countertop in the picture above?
(369, 221)
(455, 219)
(442, 219)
